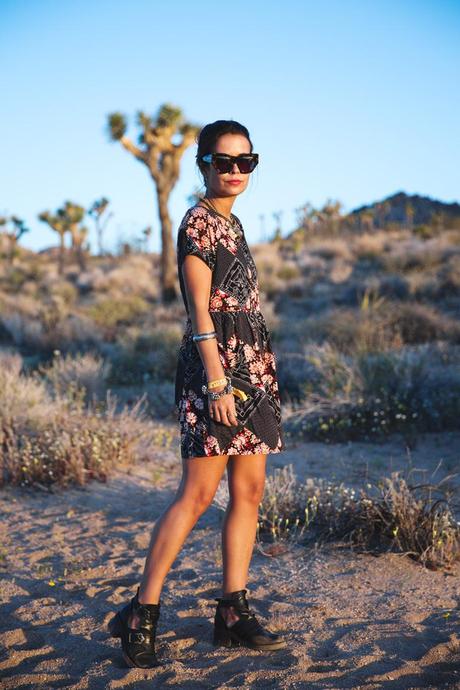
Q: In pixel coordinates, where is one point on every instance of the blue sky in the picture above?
(345, 100)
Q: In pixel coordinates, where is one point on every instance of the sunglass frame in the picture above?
(212, 158)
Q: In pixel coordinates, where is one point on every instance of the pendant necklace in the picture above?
(234, 224)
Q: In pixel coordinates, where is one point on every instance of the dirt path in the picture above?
(351, 620)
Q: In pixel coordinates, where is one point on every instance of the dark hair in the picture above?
(208, 136)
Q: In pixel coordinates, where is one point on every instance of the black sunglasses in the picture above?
(246, 162)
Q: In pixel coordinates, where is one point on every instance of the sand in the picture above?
(70, 558)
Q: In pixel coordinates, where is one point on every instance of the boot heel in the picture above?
(247, 631)
(223, 638)
(114, 626)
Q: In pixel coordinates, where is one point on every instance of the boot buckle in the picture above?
(136, 637)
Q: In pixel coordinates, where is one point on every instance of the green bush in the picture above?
(109, 313)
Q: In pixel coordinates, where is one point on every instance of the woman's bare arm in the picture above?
(197, 280)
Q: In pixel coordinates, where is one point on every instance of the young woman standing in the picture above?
(227, 401)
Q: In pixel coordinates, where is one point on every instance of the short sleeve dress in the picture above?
(243, 341)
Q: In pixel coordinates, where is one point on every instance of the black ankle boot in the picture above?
(138, 644)
(246, 631)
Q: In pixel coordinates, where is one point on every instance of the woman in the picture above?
(226, 397)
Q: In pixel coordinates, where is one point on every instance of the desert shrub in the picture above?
(424, 232)
(419, 323)
(49, 331)
(352, 331)
(129, 275)
(65, 291)
(394, 515)
(160, 399)
(271, 285)
(383, 326)
(333, 371)
(393, 287)
(109, 313)
(57, 439)
(68, 373)
(15, 277)
(151, 356)
(370, 247)
(331, 249)
(413, 256)
(449, 278)
(405, 392)
(73, 446)
(389, 515)
(296, 376)
(21, 397)
(288, 272)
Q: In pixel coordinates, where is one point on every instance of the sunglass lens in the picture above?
(223, 164)
(246, 164)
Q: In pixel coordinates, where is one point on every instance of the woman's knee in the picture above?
(196, 502)
(248, 492)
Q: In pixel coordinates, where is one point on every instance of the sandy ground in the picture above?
(70, 558)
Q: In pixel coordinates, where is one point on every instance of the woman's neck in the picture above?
(222, 205)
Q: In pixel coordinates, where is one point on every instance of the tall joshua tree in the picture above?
(162, 157)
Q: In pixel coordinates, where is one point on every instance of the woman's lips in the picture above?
(234, 182)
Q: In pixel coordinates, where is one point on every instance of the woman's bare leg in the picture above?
(246, 481)
(200, 479)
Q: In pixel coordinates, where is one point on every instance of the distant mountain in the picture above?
(405, 209)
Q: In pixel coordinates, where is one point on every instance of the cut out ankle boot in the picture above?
(138, 644)
(247, 630)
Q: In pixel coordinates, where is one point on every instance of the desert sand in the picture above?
(352, 620)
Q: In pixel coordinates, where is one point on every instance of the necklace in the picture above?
(234, 224)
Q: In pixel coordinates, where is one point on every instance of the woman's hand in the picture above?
(223, 410)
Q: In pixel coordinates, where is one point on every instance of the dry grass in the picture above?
(415, 520)
(367, 246)
(48, 435)
(67, 374)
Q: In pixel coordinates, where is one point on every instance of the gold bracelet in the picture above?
(216, 382)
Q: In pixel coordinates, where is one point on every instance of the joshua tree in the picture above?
(97, 210)
(277, 215)
(56, 223)
(366, 218)
(305, 216)
(147, 232)
(331, 213)
(68, 219)
(13, 236)
(382, 209)
(409, 213)
(263, 236)
(162, 157)
(79, 234)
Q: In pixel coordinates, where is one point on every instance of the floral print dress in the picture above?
(243, 341)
